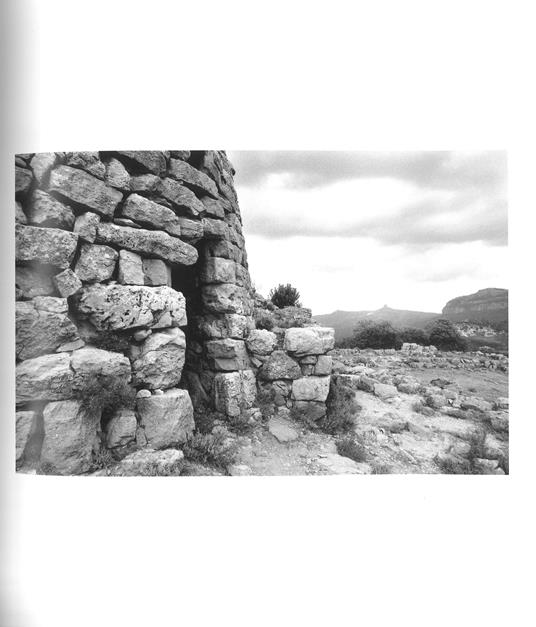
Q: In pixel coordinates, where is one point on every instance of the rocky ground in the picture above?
(425, 412)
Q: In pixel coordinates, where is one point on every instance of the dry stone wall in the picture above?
(132, 275)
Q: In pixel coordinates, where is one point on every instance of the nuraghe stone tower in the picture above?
(132, 274)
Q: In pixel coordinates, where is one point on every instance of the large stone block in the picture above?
(213, 208)
(225, 298)
(148, 243)
(261, 342)
(88, 363)
(39, 331)
(279, 366)
(180, 196)
(96, 263)
(323, 365)
(152, 160)
(151, 214)
(121, 428)
(44, 210)
(35, 244)
(67, 283)
(85, 226)
(158, 363)
(227, 355)
(168, 419)
(288, 317)
(309, 340)
(32, 281)
(218, 270)
(70, 437)
(48, 377)
(215, 229)
(41, 164)
(26, 426)
(23, 180)
(221, 326)
(117, 307)
(117, 175)
(156, 272)
(194, 179)
(130, 268)
(84, 189)
(234, 391)
(88, 161)
(310, 389)
(191, 230)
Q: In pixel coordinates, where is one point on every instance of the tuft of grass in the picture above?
(342, 409)
(453, 466)
(350, 447)
(210, 448)
(264, 322)
(381, 469)
(106, 395)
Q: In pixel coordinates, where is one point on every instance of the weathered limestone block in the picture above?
(41, 164)
(191, 230)
(215, 229)
(34, 244)
(84, 190)
(121, 428)
(218, 270)
(33, 281)
(26, 425)
(47, 211)
(222, 248)
(96, 263)
(227, 355)
(145, 183)
(158, 363)
(313, 410)
(167, 418)
(261, 342)
(148, 243)
(385, 390)
(309, 340)
(156, 272)
(226, 325)
(213, 208)
(323, 365)
(291, 317)
(70, 437)
(67, 283)
(88, 161)
(39, 331)
(194, 179)
(48, 377)
(149, 213)
(146, 462)
(23, 180)
(180, 196)
(130, 269)
(279, 366)
(234, 391)
(90, 362)
(86, 226)
(152, 160)
(310, 389)
(225, 298)
(117, 175)
(180, 154)
(116, 307)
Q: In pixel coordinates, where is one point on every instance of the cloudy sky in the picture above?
(357, 230)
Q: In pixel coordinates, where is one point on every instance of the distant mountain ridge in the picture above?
(487, 305)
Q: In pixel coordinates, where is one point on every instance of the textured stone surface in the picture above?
(39, 331)
(191, 230)
(117, 175)
(20, 216)
(225, 298)
(116, 307)
(33, 281)
(282, 429)
(310, 389)
(213, 208)
(54, 247)
(313, 410)
(85, 226)
(226, 325)
(218, 270)
(23, 180)
(84, 189)
(41, 164)
(227, 354)
(151, 214)
(147, 463)
(261, 341)
(303, 341)
(26, 425)
(152, 160)
(158, 363)
(180, 196)
(44, 210)
(156, 272)
(234, 391)
(96, 263)
(89, 362)
(323, 365)
(121, 428)
(148, 243)
(48, 377)
(130, 268)
(279, 366)
(70, 437)
(166, 418)
(88, 161)
(193, 178)
(215, 229)
(67, 283)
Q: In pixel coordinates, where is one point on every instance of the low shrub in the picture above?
(106, 395)
(381, 469)
(264, 322)
(350, 447)
(285, 296)
(210, 448)
(342, 409)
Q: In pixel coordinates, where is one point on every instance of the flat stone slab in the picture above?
(282, 429)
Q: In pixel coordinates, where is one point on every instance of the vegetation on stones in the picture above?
(264, 322)
(342, 409)
(285, 296)
(444, 336)
(370, 334)
(105, 395)
(214, 449)
(350, 446)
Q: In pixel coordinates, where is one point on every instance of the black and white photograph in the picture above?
(267, 313)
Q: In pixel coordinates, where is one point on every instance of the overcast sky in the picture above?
(357, 230)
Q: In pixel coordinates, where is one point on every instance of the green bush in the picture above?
(372, 334)
(444, 336)
(285, 296)
(350, 447)
(342, 409)
(413, 336)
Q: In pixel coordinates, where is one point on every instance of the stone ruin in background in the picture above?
(131, 270)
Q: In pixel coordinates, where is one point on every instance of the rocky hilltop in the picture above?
(487, 305)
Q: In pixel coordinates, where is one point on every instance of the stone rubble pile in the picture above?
(131, 269)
